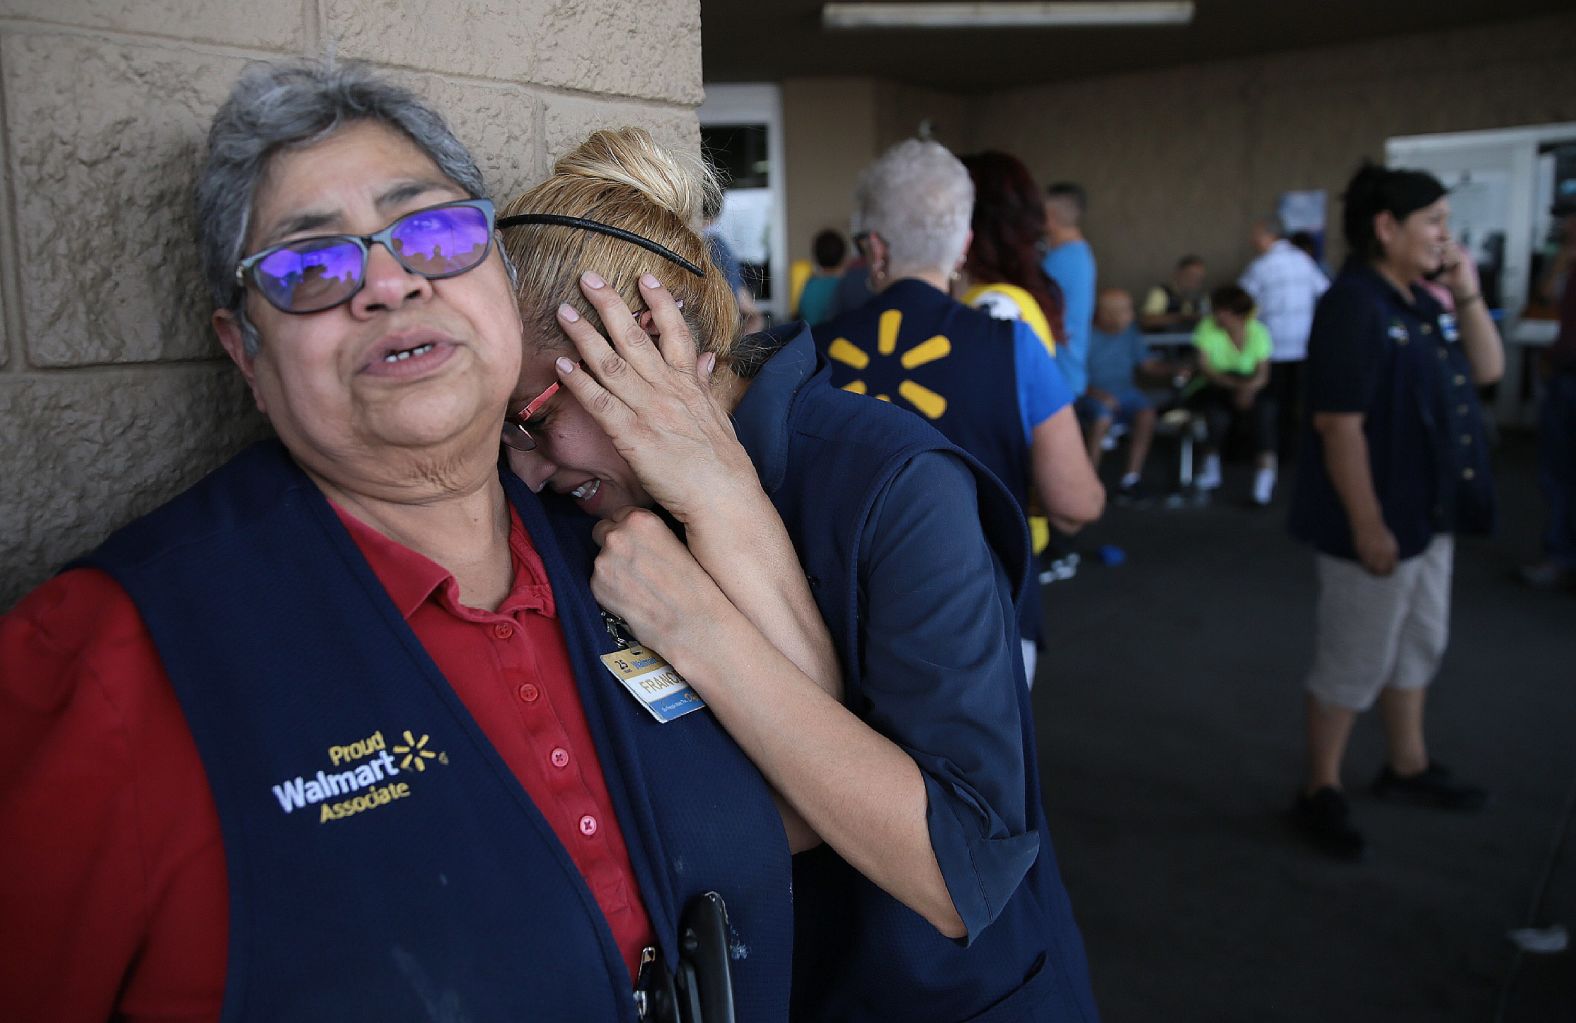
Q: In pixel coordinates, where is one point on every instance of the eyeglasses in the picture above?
(309, 275)
(515, 433)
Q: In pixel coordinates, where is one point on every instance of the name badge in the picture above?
(652, 681)
(1448, 329)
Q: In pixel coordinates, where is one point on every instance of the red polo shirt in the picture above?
(113, 898)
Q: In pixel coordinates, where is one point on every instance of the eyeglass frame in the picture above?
(246, 268)
(518, 419)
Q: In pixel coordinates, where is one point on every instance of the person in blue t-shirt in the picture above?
(1070, 263)
(1119, 357)
(817, 300)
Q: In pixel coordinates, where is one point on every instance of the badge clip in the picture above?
(649, 678)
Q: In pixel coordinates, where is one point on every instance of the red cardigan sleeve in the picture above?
(112, 883)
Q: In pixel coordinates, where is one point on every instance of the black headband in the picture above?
(559, 220)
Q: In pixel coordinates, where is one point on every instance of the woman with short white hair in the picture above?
(989, 385)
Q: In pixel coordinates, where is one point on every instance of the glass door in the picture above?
(741, 132)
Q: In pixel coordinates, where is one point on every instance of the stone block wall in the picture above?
(113, 392)
(1182, 159)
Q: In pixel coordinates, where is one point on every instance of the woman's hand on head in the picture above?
(652, 396)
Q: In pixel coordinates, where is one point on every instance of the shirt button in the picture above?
(1461, 410)
(1466, 438)
(1401, 341)
(588, 825)
(1428, 328)
(1442, 354)
(1460, 379)
(503, 630)
(1467, 474)
(560, 757)
(529, 692)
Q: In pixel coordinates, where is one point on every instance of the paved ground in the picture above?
(1170, 724)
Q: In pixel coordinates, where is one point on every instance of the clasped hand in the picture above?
(647, 577)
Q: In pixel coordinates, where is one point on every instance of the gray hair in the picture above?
(276, 107)
(918, 197)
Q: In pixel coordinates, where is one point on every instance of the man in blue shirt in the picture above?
(1118, 357)
(1070, 263)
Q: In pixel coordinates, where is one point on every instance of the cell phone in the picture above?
(705, 979)
(700, 990)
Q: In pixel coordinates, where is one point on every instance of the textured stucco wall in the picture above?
(113, 393)
(829, 135)
(834, 127)
(1184, 159)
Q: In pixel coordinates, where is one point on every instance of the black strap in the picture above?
(559, 220)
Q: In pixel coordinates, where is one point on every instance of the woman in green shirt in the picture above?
(1234, 365)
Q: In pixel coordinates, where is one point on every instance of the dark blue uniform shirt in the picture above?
(915, 554)
(966, 737)
(1396, 360)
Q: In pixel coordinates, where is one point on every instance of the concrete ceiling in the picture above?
(769, 40)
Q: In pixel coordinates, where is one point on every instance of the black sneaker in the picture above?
(1434, 786)
(1322, 820)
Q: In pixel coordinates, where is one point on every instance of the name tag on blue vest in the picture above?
(652, 681)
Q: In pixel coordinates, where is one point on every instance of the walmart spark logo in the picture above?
(416, 754)
(928, 402)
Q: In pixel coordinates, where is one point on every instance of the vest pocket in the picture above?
(1031, 1000)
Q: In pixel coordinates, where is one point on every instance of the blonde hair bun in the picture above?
(621, 178)
(680, 183)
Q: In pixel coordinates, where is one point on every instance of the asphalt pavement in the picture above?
(1169, 716)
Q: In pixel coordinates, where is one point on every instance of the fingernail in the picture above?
(565, 366)
(711, 362)
(648, 281)
(567, 312)
(593, 280)
(679, 304)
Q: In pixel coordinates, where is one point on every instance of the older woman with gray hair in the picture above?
(327, 736)
(990, 386)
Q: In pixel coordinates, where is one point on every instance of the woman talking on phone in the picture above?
(1396, 464)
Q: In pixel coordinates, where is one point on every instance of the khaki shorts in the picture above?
(1371, 633)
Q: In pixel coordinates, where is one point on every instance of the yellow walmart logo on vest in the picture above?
(880, 366)
(360, 777)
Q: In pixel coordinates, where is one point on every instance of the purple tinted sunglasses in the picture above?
(308, 275)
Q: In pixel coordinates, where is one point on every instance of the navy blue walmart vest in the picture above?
(919, 349)
(859, 954)
(383, 861)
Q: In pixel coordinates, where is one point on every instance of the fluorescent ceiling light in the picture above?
(1003, 15)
